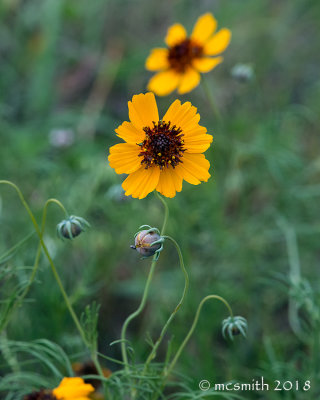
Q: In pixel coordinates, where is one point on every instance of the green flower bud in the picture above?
(148, 242)
(242, 73)
(233, 326)
(71, 227)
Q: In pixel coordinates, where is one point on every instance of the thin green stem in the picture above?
(193, 326)
(145, 292)
(210, 98)
(54, 201)
(53, 268)
(36, 262)
(37, 258)
(45, 249)
(166, 211)
(164, 329)
(135, 314)
(94, 357)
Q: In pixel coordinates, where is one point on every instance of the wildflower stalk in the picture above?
(36, 261)
(193, 326)
(210, 98)
(53, 268)
(166, 212)
(135, 314)
(145, 292)
(45, 249)
(164, 329)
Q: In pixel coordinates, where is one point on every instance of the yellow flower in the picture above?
(181, 63)
(160, 154)
(73, 389)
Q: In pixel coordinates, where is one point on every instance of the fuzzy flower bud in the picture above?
(242, 73)
(233, 326)
(71, 227)
(148, 242)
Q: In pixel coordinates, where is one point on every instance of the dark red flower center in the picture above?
(182, 54)
(162, 146)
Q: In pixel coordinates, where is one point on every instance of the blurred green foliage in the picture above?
(67, 70)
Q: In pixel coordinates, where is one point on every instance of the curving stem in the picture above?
(146, 289)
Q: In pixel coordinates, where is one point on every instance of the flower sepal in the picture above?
(148, 242)
(71, 227)
(233, 326)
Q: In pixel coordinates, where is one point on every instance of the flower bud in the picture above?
(61, 137)
(233, 326)
(242, 72)
(71, 227)
(148, 242)
(116, 193)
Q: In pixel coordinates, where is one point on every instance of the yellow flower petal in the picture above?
(176, 34)
(197, 143)
(140, 183)
(124, 158)
(206, 64)
(204, 28)
(169, 182)
(164, 82)
(143, 110)
(194, 168)
(194, 131)
(73, 389)
(129, 133)
(183, 115)
(198, 147)
(157, 60)
(218, 43)
(189, 81)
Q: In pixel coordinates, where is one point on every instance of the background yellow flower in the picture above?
(160, 154)
(181, 63)
(73, 389)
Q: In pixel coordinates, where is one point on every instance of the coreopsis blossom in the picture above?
(181, 63)
(73, 389)
(68, 389)
(158, 154)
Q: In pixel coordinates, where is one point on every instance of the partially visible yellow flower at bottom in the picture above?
(68, 389)
(73, 389)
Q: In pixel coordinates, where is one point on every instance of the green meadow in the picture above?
(251, 234)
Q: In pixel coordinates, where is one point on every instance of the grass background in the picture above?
(72, 66)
